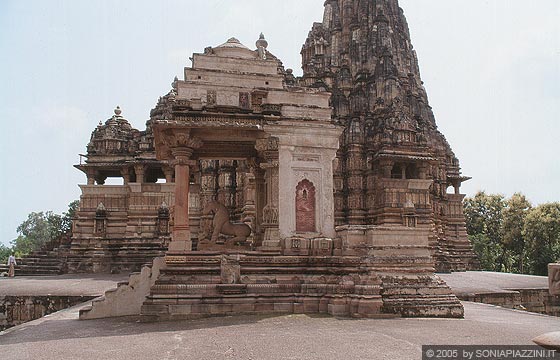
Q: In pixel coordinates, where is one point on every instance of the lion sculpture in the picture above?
(222, 225)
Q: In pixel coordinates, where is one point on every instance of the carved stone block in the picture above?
(230, 270)
(554, 279)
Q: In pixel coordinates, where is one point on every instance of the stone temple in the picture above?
(266, 193)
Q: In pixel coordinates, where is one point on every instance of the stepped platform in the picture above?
(39, 263)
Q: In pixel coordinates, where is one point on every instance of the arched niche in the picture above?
(305, 207)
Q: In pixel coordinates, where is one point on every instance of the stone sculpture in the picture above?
(554, 279)
(222, 225)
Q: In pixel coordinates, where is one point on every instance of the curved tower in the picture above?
(394, 166)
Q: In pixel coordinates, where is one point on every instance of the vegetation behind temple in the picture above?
(511, 235)
(39, 229)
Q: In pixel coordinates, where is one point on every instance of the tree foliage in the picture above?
(484, 215)
(511, 235)
(40, 228)
(5, 252)
(542, 233)
(514, 216)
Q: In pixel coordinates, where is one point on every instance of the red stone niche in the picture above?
(305, 206)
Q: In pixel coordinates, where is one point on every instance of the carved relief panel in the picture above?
(305, 206)
(244, 100)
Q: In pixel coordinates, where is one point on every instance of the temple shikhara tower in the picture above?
(260, 192)
(393, 165)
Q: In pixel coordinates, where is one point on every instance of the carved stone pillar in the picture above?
(90, 177)
(338, 184)
(208, 188)
(181, 145)
(240, 180)
(194, 209)
(168, 172)
(260, 200)
(268, 148)
(125, 173)
(226, 183)
(139, 169)
(181, 240)
(355, 179)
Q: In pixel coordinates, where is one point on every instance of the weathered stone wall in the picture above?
(15, 310)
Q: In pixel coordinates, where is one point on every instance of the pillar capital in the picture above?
(181, 139)
(175, 142)
(268, 148)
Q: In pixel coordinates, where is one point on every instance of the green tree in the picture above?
(41, 228)
(5, 252)
(67, 217)
(514, 215)
(484, 217)
(36, 231)
(542, 234)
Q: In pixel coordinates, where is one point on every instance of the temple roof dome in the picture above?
(112, 137)
(234, 48)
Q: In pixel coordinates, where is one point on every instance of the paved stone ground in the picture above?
(71, 285)
(62, 336)
(472, 282)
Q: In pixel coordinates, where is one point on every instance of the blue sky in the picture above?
(491, 69)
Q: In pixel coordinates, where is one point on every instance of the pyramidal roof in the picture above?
(233, 43)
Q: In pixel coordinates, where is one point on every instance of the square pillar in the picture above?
(181, 238)
(268, 149)
(176, 144)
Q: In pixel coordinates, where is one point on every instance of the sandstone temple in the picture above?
(263, 192)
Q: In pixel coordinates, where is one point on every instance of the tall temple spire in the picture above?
(363, 55)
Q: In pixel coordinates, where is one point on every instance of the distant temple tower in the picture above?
(394, 166)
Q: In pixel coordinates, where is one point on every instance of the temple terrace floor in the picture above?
(63, 336)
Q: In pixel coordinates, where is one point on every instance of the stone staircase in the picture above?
(48, 261)
(123, 255)
(38, 263)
